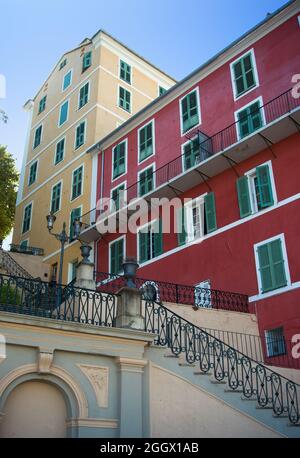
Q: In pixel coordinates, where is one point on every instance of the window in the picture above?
(32, 173)
(271, 264)
(83, 95)
(86, 61)
(146, 180)
(42, 104)
(67, 81)
(244, 74)
(54, 269)
(150, 240)
(62, 64)
(119, 159)
(256, 190)
(203, 294)
(60, 151)
(118, 196)
(196, 218)
(146, 141)
(27, 218)
(161, 90)
(124, 99)
(275, 342)
(117, 254)
(125, 72)
(196, 151)
(77, 182)
(80, 135)
(63, 113)
(75, 213)
(55, 197)
(189, 110)
(249, 119)
(72, 270)
(37, 137)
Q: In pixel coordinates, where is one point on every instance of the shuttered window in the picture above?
(146, 181)
(191, 154)
(42, 104)
(77, 182)
(116, 256)
(146, 142)
(27, 218)
(75, 213)
(37, 137)
(80, 135)
(32, 173)
(189, 111)
(249, 119)
(271, 266)
(124, 99)
(63, 113)
(86, 61)
(67, 80)
(210, 212)
(83, 95)
(125, 72)
(150, 241)
(60, 150)
(119, 159)
(118, 197)
(55, 198)
(244, 76)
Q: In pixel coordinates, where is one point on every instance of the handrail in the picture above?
(15, 248)
(257, 382)
(280, 105)
(12, 266)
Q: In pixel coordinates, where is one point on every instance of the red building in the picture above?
(226, 137)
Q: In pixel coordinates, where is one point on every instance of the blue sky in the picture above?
(176, 35)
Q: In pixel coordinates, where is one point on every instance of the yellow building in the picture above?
(92, 90)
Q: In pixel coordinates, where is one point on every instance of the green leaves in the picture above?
(9, 178)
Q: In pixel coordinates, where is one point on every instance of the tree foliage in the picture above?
(9, 177)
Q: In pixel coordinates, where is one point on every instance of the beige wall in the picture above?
(33, 264)
(197, 413)
(34, 409)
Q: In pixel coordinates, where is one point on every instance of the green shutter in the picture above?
(181, 229)
(189, 111)
(243, 196)
(119, 153)
(63, 113)
(158, 238)
(143, 245)
(86, 61)
(116, 256)
(278, 268)
(125, 72)
(75, 213)
(145, 142)
(244, 74)
(264, 186)
(271, 266)
(210, 212)
(83, 95)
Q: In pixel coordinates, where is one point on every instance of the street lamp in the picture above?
(63, 238)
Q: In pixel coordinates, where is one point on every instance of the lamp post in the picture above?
(63, 238)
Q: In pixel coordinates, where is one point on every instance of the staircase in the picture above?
(222, 371)
(10, 267)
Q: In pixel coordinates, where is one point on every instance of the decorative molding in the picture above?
(98, 378)
(45, 359)
(93, 423)
(131, 365)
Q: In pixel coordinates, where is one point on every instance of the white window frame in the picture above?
(37, 167)
(152, 165)
(251, 189)
(62, 138)
(149, 223)
(182, 154)
(250, 51)
(81, 213)
(125, 193)
(85, 130)
(285, 259)
(60, 197)
(131, 73)
(112, 160)
(153, 140)
(118, 98)
(236, 117)
(89, 92)
(30, 221)
(42, 131)
(199, 111)
(124, 250)
(188, 209)
(68, 111)
(72, 181)
(70, 269)
(63, 79)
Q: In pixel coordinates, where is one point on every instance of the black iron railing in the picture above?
(49, 300)
(11, 266)
(209, 145)
(176, 293)
(14, 248)
(268, 388)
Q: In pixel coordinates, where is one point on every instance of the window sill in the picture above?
(238, 97)
(275, 292)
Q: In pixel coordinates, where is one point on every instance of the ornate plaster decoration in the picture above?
(45, 360)
(98, 378)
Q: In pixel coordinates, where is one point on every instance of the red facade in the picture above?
(226, 256)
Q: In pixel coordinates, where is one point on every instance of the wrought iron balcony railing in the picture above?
(179, 294)
(26, 249)
(11, 266)
(210, 145)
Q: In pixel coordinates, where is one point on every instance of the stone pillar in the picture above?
(129, 309)
(85, 276)
(131, 393)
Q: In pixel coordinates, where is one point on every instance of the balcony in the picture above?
(26, 250)
(216, 153)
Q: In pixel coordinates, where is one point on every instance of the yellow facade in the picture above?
(101, 113)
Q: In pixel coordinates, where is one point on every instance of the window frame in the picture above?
(195, 89)
(266, 334)
(55, 151)
(84, 134)
(253, 59)
(41, 137)
(72, 183)
(263, 117)
(285, 259)
(36, 172)
(140, 161)
(125, 192)
(149, 223)
(44, 105)
(249, 174)
(30, 220)
(68, 111)
(112, 160)
(88, 96)
(70, 217)
(60, 197)
(189, 217)
(84, 69)
(118, 101)
(109, 251)
(63, 89)
(131, 67)
(153, 166)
